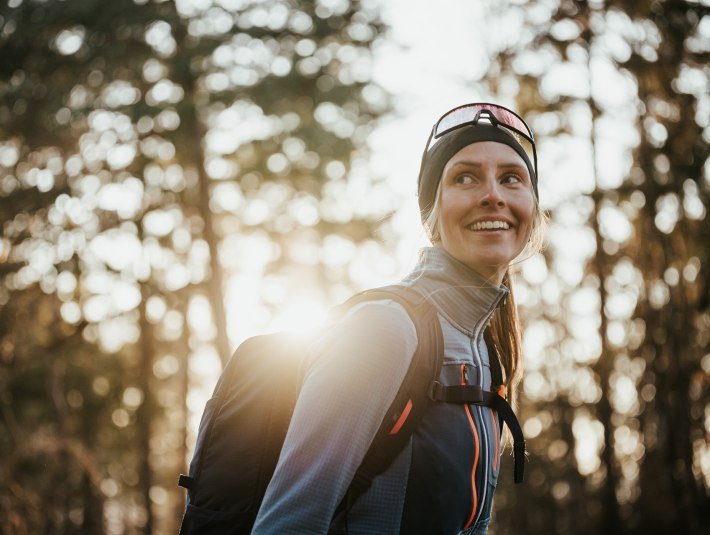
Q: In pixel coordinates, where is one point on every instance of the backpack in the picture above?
(244, 424)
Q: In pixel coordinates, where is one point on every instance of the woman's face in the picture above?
(487, 207)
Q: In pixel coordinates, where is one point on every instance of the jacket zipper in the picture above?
(467, 408)
(464, 380)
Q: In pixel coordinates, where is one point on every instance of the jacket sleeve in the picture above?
(360, 364)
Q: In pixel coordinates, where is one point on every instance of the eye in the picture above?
(463, 179)
(511, 179)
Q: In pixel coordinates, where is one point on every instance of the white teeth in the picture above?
(489, 225)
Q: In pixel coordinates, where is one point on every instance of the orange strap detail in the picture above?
(402, 418)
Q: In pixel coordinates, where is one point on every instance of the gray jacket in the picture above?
(443, 481)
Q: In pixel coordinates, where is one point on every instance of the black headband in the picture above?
(450, 144)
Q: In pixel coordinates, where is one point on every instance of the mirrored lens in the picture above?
(467, 114)
(506, 119)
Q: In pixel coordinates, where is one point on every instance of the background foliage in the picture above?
(162, 163)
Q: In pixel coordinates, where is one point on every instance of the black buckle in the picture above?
(186, 482)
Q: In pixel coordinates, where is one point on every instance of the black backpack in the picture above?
(245, 422)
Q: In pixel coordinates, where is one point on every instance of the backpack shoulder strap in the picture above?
(407, 409)
(411, 300)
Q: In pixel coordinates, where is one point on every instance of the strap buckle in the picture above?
(434, 392)
(186, 482)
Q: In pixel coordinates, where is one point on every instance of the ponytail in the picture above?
(505, 333)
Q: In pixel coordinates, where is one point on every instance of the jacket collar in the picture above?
(462, 295)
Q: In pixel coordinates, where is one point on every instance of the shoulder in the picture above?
(383, 315)
(376, 331)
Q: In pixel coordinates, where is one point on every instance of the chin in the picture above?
(488, 267)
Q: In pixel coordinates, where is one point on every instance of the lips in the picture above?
(489, 225)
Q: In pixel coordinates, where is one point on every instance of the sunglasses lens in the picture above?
(467, 114)
(471, 113)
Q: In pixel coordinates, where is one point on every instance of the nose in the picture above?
(491, 193)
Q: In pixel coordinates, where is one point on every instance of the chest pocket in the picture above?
(460, 349)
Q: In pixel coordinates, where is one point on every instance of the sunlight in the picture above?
(69, 41)
(588, 436)
(624, 395)
(204, 368)
(199, 317)
(301, 315)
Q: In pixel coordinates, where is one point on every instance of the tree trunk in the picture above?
(184, 388)
(604, 366)
(193, 153)
(144, 414)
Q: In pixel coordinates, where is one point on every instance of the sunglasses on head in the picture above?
(482, 112)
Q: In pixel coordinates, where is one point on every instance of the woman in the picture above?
(478, 201)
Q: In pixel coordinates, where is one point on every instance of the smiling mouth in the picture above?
(489, 225)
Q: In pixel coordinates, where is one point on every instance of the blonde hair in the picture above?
(504, 332)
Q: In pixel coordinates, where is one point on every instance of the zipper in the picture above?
(476, 443)
(464, 380)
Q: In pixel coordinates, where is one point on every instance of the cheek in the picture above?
(529, 222)
(453, 207)
(448, 220)
(526, 210)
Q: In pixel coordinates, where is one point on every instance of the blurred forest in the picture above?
(155, 153)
